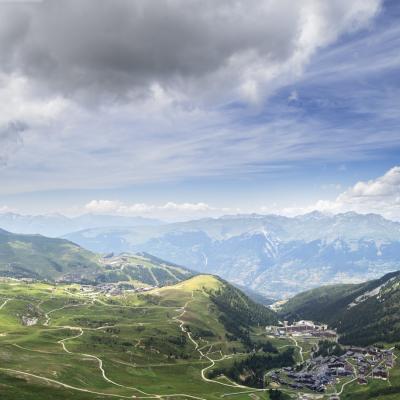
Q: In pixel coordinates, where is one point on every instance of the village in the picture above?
(114, 289)
(319, 373)
(302, 329)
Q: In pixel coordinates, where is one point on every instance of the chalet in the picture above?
(380, 373)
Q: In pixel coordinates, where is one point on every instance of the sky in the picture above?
(181, 109)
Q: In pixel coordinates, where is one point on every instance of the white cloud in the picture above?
(20, 101)
(167, 211)
(187, 207)
(379, 196)
(22, 112)
(6, 209)
(294, 96)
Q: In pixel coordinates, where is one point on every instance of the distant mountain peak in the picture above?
(316, 214)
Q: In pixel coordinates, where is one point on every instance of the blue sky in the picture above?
(195, 119)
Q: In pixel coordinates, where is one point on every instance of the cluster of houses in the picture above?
(316, 375)
(319, 372)
(371, 362)
(302, 328)
(114, 289)
(73, 277)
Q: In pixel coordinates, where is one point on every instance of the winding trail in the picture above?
(5, 302)
(64, 384)
(100, 362)
(344, 385)
(299, 347)
(33, 350)
(107, 379)
(202, 354)
(47, 315)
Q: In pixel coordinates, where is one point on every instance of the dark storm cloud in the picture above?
(120, 47)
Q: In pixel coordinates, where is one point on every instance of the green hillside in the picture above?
(363, 314)
(64, 341)
(41, 258)
(141, 269)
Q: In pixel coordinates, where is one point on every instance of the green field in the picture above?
(94, 347)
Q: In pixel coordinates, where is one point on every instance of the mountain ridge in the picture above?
(55, 224)
(261, 252)
(55, 259)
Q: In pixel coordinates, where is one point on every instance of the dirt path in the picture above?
(15, 371)
(202, 354)
(299, 347)
(100, 363)
(143, 395)
(5, 302)
(47, 315)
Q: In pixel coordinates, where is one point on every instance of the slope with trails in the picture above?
(154, 345)
(42, 258)
(141, 270)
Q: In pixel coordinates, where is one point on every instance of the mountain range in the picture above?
(54, 225)
(274, 255)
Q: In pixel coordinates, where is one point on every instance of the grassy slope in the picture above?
(142, 269)
(376, 319)
(137, 337)
(39, 257)
(321, 303)
(44, 258)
